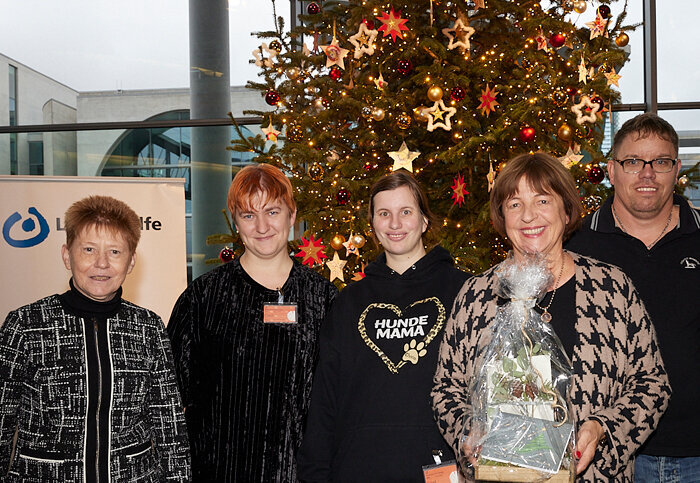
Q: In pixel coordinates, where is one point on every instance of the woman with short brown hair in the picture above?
(619, 387)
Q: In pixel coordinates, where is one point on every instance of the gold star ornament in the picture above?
(613, 78)
(403, 158)
(335, 54)
(336, 266)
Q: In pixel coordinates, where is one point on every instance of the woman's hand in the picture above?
(587, 439)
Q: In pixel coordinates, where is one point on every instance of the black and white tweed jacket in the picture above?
(44, 396)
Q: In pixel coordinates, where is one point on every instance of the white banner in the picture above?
(31, 214)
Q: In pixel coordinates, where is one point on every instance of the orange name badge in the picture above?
(441, 473)
(280, 313)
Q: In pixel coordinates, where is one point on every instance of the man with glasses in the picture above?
(654, 236)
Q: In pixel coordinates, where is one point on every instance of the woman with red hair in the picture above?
(245, 337)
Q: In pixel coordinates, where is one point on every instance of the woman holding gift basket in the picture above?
(549, 341)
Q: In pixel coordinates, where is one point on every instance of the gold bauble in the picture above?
(565, 132)
(622, 40)
(419, 114)
(560, 98)
(293, 73)
(295, 133)
(435, 93)
(579, 6)
(500, 166)
(378, 114)
(337, 242)
(316, 172)
(358, 240)
(403, 121)
(683, 181)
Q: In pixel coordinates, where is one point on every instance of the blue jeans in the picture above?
(666, 469)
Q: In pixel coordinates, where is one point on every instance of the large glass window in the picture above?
(13, 154)
(36, 157)
(678, 47)
(12, 84)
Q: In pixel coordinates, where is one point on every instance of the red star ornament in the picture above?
(392, 24)
(311, 251)
(488, 100)
(459, 190)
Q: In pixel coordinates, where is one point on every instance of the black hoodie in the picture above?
(370, 417)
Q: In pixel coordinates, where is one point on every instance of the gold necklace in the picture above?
(668, 222)
(546, 316)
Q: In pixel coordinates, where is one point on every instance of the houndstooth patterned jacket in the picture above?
(619, 377)
(44, 396)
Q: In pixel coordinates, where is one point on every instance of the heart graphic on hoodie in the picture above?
(413, 350)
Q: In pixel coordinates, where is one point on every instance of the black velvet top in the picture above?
(245, 383)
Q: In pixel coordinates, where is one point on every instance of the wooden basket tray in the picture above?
(517, 474)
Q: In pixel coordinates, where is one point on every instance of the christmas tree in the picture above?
(449, 90)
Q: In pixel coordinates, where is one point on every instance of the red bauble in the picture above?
(404, 67)
(272, 97)
(596, 174)
(369, 23)
(226, 254)
(598, 100)
(527, 134)
(336, 73)
(571, 91)
(557, 40)
(342, 196)
(604, 11)
(313, 8)
(457, 93)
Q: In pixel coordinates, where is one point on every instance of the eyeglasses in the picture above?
(659, 165)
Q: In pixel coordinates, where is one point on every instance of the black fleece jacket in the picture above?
(370, 417)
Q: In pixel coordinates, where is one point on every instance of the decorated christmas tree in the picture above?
(449, 90)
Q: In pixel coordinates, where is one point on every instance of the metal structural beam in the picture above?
(650, 78)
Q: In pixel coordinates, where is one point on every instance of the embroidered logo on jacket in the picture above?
(389, 326)
(689, 262)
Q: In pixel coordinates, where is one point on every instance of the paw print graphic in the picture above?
(413, 351)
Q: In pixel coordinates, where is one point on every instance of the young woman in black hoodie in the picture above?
(370, 417)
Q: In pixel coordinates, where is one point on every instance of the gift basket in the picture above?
(519, 426)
